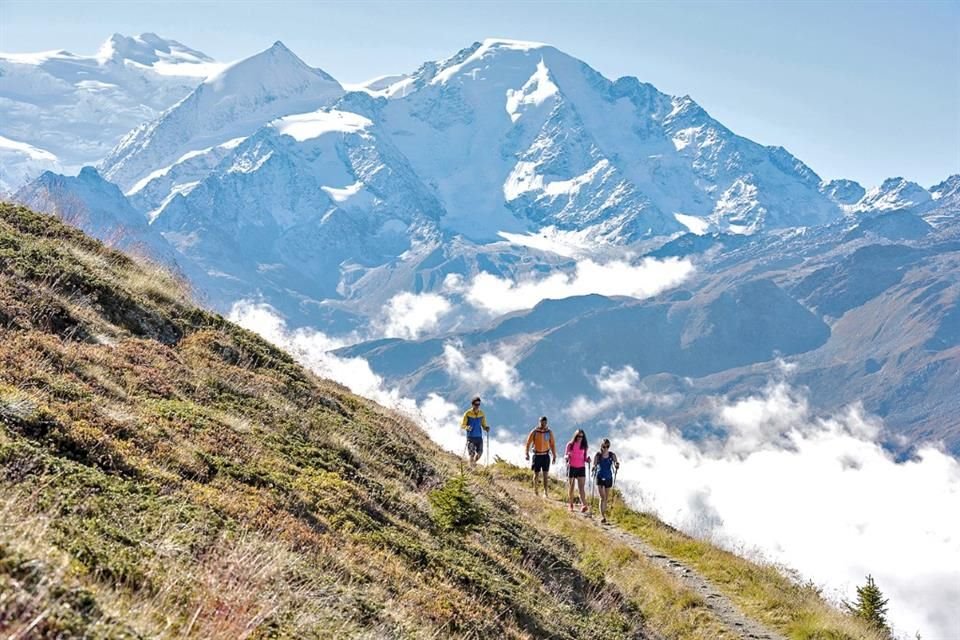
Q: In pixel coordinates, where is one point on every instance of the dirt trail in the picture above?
(719, 604)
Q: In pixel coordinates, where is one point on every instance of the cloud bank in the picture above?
(649, 277)
(410, 315)
(816, 493)
(619, 388)
(813, 492)
(439, 417)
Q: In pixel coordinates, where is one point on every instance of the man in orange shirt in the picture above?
(544, 452)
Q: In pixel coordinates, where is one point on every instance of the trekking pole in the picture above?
(612, 485)
(593, 488)
(488, 447)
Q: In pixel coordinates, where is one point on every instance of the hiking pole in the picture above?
(610, 491)
(593, 487)
(488, 447)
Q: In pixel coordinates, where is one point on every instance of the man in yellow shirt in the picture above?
(474, 423)
(544, 452)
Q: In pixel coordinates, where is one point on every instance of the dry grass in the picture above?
(167, 474)
(762, 591)
(190, 480)
(674, 610)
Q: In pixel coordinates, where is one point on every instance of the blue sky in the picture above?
(862, 90)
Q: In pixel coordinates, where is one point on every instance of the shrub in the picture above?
(454, 506)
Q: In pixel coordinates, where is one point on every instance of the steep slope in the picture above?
(232, 104)
(167, 474)
(216, 489)
(77, 108)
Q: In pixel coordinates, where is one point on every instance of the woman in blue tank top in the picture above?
(605, 465)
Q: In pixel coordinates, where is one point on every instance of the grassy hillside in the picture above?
(164, 473)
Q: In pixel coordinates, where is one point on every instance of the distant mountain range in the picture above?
(62, 111)
(514, 162)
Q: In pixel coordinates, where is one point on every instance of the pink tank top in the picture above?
(578, 456)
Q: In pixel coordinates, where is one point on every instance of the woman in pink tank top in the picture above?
(577, 461)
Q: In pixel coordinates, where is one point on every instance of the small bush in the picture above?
(454, 506)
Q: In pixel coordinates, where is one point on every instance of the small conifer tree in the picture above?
(870, 606)
(455, 507)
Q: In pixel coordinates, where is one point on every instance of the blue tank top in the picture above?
(605, 468)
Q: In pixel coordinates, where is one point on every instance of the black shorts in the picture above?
(474, 446)
(541, 462)
(576, 472)
(605, 482)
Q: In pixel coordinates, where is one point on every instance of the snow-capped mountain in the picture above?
(843, 192)
(331, 195)
(503, 137)
(509, 136)
(70, 110)
(893, 195)
(228, 106)
(524, 131)
(945, 206)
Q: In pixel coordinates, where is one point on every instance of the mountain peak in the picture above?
(507, 43)
(147, 49)
(949, 186)
(843, 192)
(894, 194)
(274, 66)
(89, 173)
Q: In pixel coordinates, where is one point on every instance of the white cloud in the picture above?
(436, 415)
(486, 372)
(815, 493)
(616, 278)
(620, 388)
(311, 348)
(409, 315)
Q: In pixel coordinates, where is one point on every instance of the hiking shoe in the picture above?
(571, 507)
(584, 509)
(603, 521)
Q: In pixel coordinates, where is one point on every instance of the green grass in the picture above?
(172, 475)
(762, 591)
(166, 474)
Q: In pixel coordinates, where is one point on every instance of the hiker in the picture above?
(474, 423)
(577, 461)
(605, 464)
(544, 451)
